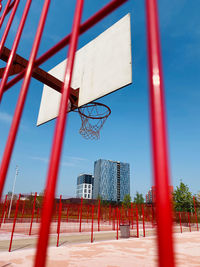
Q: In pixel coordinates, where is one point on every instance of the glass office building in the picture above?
(111, 180)
(85, 184)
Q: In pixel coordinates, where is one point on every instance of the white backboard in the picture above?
(102, 66)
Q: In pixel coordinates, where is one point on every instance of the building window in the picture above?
(85, 195)
(89, 191)
(85, 191)
(88, 196)
(85, 186)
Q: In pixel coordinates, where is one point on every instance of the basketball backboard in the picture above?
(101, 67)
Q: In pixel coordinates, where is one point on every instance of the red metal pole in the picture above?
(4, 13)
(59, 219)
(87, 212)
(109, 214)
(7, 205)
(57, 144)
(21, 100)
(32, 213)
(195, 213)
(180, 221)
(83, 28)
(189, 221)
(143, 218)
(132, 214)
(15, 218)
(159, 139)
(114, 219)
(68, 212)
(8, 25)
(99, 215)
(92, 224)
(3, 210)
(38, 210)
(117, 221)
(14, 48)
(81, 214)
(137, 225)
(23, 211)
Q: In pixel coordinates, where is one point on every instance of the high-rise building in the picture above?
(85, 184)
(111, 180)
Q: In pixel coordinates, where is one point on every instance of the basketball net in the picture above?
(93, 117)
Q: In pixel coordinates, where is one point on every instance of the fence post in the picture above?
(109, 214)
(143, 218)
(180, 221)
(117, 221)
(67, 212)
(7, 205)
(189, 221)
(132, 214)
(3, 210)
(114, 219)
(195, 213)
(14, 222)
(32, 213)
(99, 215)
(23, 211)
(92, 224)
(137, 221)
(59, 219)
(88, 212)
(81, 214)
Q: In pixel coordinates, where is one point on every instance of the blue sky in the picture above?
(125, 135)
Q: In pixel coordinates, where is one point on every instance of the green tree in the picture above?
(127, 201)
(183, 200)
(138, 199)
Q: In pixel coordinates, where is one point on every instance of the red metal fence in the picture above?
(157, 110)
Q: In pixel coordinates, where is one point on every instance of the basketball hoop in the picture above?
(93, 117)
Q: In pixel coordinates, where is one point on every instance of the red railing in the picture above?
(157, 110)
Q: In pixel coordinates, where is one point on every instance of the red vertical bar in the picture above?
(21, 100)
(68, 212)
(159, 139)
(3, 210)
(32, 213)
(23, 211)
(114, 219)
(132, 214)
(7, 205)
(180, 221)
(59, 219)
(92, 224)
(137, 225)
(189, 221)
(143, 219)
(4, 13)
(81, 215)
(8, 25)
(152, 216)
(117, 221)
(87, 212)
(57, 144)
(109, 214)
(195, 213)
(15, 218)
(14, 48)
(38, 210)
(99, 215)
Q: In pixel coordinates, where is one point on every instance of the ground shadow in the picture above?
(21, 247)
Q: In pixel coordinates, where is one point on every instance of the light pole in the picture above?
(16, 173)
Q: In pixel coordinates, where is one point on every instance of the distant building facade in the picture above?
(111, 180)
(151, 195)
(84, 187)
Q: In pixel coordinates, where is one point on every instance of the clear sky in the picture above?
(125, 136)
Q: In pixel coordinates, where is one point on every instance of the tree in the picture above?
(127, 201)
(138, 199)
(183, 200)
